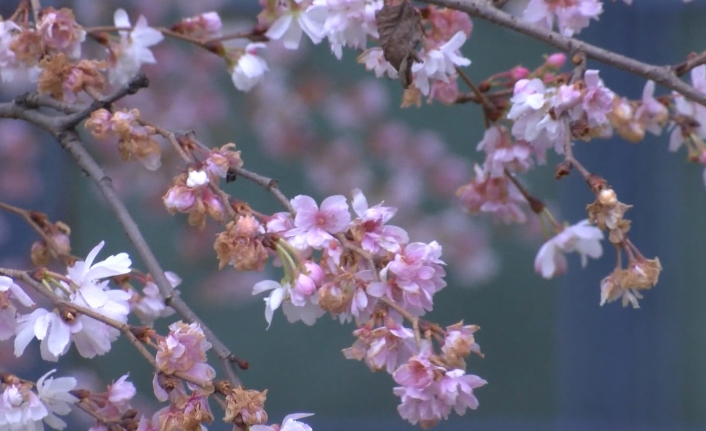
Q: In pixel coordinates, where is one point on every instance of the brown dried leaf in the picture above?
(400, 29)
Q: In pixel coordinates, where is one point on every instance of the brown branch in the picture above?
(535, 203)
(692, 61)
(27, 216)
(663, 75)
(268, 183)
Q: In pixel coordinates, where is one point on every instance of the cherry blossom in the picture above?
(249, 68)
(86, 272)
(61, 33)
(11, 293)
(90, 336)
(54, 393)
(183, 350)
(296, 18)
(440, 64)
(133, 51)
(149, 306)
(581, 238)
(313, 225)
(306, 308)
(503, 154)
(348, 22)
(384, 348)
(289, 423)
(571, 15)
(496, 196)
(651, 114)
(22, 409)
(428, 392)
(374, 60)
(370, 225)
(415, 274)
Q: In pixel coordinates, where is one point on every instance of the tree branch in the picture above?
(662, 75)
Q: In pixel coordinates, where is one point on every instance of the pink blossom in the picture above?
(384, 348)
(22, 409)
(597, 99)
(150, 305)
(690, 109)
(651, 114)
(456, 390)
(581, 238)
(496, 196)
(315, 226)
(12, 294)
(502, 153)
(61, 33)
(459, 342)
(418, 389)
(572, 15)
(376, 236)
(444, 92)
(205, 25)
(532, 120)
(90, 336)
(180, 198)
(374, 60)
(415, 274)
(347, 22)
(183, 350)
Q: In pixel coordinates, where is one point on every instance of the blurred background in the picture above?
(554, 358)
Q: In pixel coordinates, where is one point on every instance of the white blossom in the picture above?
(249, 69)
(293, 22)
(133, 50)
(581, 238)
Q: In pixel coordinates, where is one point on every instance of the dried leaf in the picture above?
(400, 29)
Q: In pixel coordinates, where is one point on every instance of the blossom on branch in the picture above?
(294, 17)
(22, 409)
(571, 15)
(581, 238)
(440, 64)
(133, 50)
(183, 350)
(58, 328)
(348, 22)
(247, 68)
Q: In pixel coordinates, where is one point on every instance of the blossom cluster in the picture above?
(22, 408)
(363, 269)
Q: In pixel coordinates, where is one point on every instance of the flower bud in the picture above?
(556, 60)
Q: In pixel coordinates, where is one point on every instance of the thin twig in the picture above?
(26, 215)
(691, 62)
(268, 183)
(662, 75)
(569, 152)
